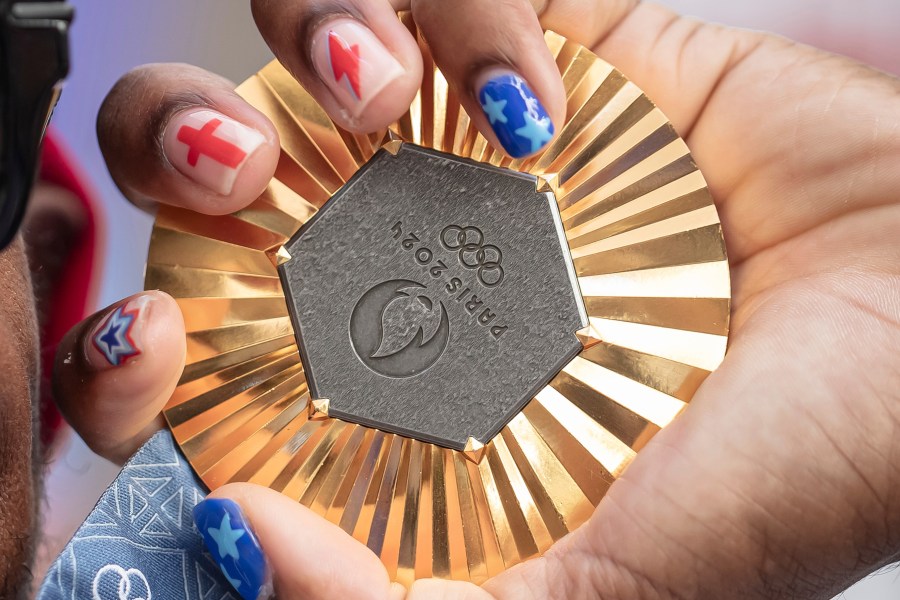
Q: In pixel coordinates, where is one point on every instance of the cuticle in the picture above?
(316, 19)
(172, 105)
(488, 62)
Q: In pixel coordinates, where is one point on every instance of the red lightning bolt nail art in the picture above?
(353, 63)
(344, 61)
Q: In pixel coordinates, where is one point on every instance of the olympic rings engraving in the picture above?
(474, 254)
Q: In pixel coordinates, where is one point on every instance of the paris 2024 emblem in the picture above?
(397, 330)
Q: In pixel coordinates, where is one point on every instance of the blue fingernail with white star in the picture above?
(234, 547)
(516, 115)
(117, 339)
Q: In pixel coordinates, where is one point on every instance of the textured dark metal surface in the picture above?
(433, 296)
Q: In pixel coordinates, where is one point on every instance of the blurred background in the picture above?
(109, 38)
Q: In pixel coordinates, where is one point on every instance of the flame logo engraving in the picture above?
(397, 330)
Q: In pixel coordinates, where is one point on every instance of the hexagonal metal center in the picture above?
(433, 296)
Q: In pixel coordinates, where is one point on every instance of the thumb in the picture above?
(264, 541)
(116, 369)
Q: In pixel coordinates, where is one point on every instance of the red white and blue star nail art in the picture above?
(115, 338)
(517, 117)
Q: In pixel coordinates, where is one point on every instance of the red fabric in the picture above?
(76, 292)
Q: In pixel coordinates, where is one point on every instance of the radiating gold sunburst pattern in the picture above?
(648, 250)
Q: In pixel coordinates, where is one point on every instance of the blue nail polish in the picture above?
(516, 115)
(232, 544)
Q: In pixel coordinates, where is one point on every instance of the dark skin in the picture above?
(779, 481)
(19, 483)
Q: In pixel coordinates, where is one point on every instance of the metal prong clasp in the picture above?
(392, 143)
(318, 409)
(474, 450)
(393, 146)
(589, 336)
(546, 183)
(279, 256)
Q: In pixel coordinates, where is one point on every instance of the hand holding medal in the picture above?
(639, 232)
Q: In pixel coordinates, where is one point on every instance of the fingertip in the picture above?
(370, 72)
(227, 154)
(355, 57)
(116, 370)
(308, 555)
(145, 329)
(179, 135)
(505, 57)
(519, 122)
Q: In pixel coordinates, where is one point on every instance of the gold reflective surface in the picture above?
(648, 250)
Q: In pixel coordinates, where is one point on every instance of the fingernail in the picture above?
(516, 115)
(118, 338)
(233, 545)
(353, 63)
(209, 147)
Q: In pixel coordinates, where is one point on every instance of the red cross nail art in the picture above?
(209, 147)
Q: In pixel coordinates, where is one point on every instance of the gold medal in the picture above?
(466, 388)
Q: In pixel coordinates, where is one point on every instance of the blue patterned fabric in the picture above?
(139, 542)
